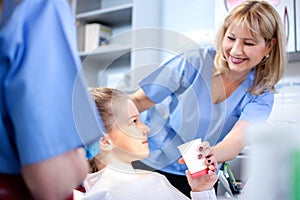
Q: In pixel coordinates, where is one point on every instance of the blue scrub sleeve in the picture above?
(174, 76)
(40, 86)
(259, 109)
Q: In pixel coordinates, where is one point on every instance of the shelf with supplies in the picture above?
(93, 18)
(107, 40)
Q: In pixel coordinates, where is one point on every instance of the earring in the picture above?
(267, 56)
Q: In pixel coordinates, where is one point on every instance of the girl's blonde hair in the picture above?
(105, 99)
(262, 20)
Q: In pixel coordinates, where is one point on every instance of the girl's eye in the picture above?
(134, 121)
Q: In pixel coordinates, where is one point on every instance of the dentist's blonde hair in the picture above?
(262, 20)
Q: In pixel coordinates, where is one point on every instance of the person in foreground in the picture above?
(214, 93)
(126, 141)
(41, 154)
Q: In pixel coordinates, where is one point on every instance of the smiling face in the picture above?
(242, 50)
(128, 134)
(257, 20)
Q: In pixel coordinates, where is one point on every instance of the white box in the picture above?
(95, 35)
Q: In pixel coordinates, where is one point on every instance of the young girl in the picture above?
(126, 141)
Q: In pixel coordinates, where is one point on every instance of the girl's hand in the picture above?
(202, 183)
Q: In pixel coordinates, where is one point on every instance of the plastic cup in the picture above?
(190, 152)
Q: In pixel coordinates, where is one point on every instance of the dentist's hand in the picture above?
(205, 182)
(207, 152)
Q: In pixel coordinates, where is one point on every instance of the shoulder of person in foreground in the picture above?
(64, 168)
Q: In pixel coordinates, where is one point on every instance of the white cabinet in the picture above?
(116, 64)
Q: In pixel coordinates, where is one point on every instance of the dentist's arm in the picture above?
(232, 144)
(141, 101)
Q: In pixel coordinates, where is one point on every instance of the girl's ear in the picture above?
(105, 144)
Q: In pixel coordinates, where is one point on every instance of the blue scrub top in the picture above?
(181, 89)
(44, 106)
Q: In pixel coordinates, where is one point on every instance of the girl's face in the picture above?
(242, 51)
(129, 133)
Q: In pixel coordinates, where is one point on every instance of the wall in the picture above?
(293, 70)
(286, 104)
(194, 18)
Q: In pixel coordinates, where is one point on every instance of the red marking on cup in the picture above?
(200, 173)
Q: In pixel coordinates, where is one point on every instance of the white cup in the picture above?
(190, 152)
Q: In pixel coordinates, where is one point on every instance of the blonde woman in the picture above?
(214, 92)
